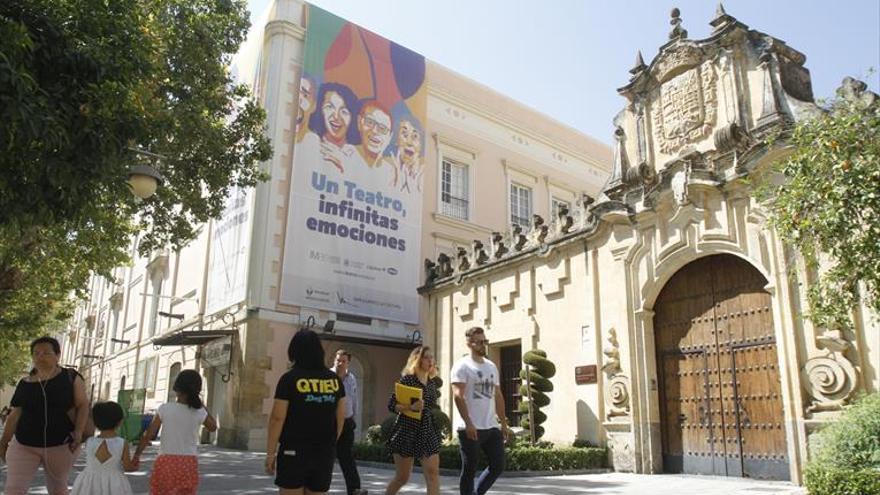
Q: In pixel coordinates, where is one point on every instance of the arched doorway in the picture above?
(720, 401)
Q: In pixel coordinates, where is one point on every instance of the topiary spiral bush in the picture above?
(539, 370)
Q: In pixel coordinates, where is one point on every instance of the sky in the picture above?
(566, 58)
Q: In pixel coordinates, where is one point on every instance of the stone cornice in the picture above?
(508, 124)
(283, 27)
(461, 224)
(533, 248)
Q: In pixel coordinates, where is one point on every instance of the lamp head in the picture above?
(143, 180)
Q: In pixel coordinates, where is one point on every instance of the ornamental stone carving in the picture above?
(685, 111)
(617, 396)
(830, 379)
(679, 184)
(612, 353)
(617, 385)
(674, 58)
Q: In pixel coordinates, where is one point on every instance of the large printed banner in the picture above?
(353, 227)
(230, 241)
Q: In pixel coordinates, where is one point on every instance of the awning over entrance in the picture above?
(397, 344)
(191, 337)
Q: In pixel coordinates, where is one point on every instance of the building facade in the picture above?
(216, 305)
(673, 313)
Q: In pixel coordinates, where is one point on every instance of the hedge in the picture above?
(847, 460)
(841, 481)
(517, 458)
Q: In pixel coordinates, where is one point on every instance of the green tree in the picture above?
(827, 204)
(84, 84)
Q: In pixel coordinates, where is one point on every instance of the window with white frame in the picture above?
(101, 326)
(454, 190)
(520, 205)
(145, 373)
(554, 207)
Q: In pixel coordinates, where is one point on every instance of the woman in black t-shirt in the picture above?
(306, 421)
(45, 433)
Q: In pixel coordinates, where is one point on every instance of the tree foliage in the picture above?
(846, 460)
(828, 204)
(84, 84)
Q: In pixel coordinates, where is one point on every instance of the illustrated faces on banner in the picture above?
(374, 124)
(306, 105)
(407, 157)
(337, 117)
(365, 121)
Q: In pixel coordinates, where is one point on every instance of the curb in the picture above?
(505, 474)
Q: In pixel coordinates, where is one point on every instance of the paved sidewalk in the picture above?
(237, 472)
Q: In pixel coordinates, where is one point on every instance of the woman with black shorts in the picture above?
(306, 421)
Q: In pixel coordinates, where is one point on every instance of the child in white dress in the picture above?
(106, 456)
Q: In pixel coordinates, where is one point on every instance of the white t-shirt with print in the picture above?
(180, 428)
(480, 380)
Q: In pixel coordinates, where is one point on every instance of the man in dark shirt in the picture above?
(307, 419)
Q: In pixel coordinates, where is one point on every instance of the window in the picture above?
(134, 305)
(145, 373)
(554, 208)
(154, 306)
(114, 330)
(454, 190)
(520, 205)
(101, 326)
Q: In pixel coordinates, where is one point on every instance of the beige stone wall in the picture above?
(691, 134)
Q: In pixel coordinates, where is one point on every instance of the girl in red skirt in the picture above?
(176, 470)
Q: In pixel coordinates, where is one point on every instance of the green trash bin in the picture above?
(132, 402)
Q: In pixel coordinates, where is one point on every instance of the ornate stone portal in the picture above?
(686, 147)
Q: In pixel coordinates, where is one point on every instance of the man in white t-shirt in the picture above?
(481, 423)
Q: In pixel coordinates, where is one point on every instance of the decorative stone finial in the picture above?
(479, 252)
(519, 239)
(857, 91)
(677, 32)
(444, 265)
(564, 222)
(621, 162)
(498, 247)
(639, 66)
(721, 18)
(431, 273)
(464, 262)
(539, 229)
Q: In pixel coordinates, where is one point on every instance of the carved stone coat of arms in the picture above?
(686, 107)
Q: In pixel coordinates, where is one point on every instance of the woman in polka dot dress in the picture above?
(176, 470)
(416, 438)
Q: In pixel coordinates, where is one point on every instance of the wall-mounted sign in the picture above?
(216, 352)
(585, 374)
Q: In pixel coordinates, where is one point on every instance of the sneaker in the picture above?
(360, 492)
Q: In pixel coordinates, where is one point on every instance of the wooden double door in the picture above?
(720, 400)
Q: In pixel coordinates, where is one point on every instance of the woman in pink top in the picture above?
(176, 470)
